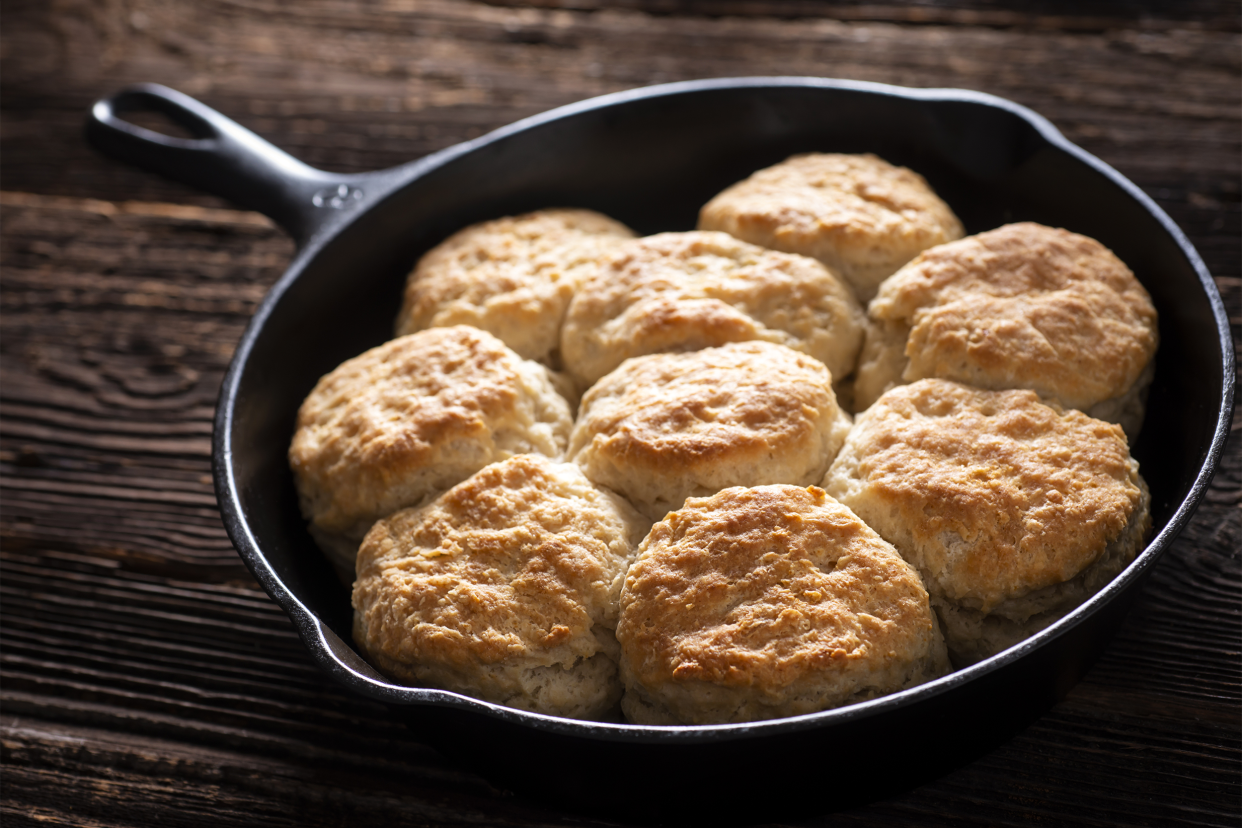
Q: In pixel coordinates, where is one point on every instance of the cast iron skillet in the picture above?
(650, 157)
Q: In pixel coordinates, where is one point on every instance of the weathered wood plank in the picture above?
(119, 320)
(1089, 15)
(350, 86)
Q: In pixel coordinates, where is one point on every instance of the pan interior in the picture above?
(651, 162)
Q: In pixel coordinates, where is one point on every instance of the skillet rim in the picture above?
(339, 659)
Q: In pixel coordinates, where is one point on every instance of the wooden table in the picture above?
(147, 680)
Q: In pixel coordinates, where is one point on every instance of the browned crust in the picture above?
(685, 291)
(415, 415)
(667, 426)
(857, 214)
(512, 276)
(776, 591)
(517, 568)
(1022, 306)
(990, 494)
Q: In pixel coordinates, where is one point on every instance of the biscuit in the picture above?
(684, 291)
(512, 277)
(504, 588)
(1013, 511)
(1022, 306)
(411, 418)
(760, 603)
(858, 214)
(665, 427)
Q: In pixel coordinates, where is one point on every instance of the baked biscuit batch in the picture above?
(821, 449)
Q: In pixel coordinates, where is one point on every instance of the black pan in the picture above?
(650, 158)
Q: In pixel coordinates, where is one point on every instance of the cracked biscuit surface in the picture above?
(1022, 306)
(766, 602)
(684, 291)
(858, 214)
(411, 418)
(665, 427)
(504, 588)
(1013, 511)
(512, 276)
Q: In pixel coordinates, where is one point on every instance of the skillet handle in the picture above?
(222, 158)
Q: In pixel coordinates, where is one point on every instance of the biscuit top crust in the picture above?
(762, 586)
(740, 403)
(1024, 306)
(512, 277)
(685, 291)
(386, 415)
(990, 494)
(857, 213)
(520, 561)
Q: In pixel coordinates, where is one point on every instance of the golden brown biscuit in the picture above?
(858, 214)
(665, 427)
(411, 418)
(504, 588)
(1013, 511)
(685, 291)
(512, 277)
(1022, 306)
(768, 602)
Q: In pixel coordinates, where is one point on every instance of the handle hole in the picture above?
(157, 114)
(156, 122)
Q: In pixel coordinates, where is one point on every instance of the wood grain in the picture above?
(119, 320)
(144, 676)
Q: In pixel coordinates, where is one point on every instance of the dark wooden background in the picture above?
(147, 680)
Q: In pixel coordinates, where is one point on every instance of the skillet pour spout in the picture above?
(650, 158)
